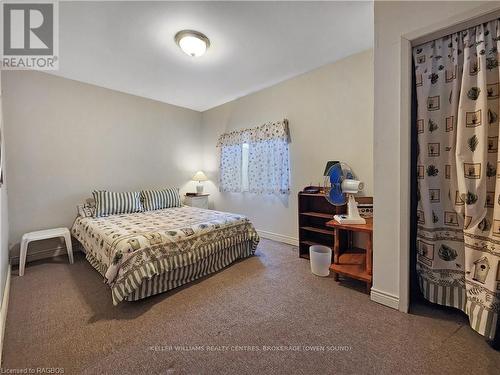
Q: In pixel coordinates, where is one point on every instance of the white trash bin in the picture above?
(321, 259)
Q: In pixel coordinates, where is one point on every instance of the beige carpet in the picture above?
(61, 315)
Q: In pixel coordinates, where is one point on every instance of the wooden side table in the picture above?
(352, 261)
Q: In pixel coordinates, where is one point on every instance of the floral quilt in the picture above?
(129, 248)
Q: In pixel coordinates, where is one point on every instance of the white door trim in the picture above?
(3, 310)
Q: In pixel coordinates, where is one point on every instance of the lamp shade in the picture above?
(199, 176)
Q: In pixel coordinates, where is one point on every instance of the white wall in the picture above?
(67, 138)
(392, 20)
(330, 112)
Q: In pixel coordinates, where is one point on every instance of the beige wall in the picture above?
(67, 138)
(4, 223)
(392, 20)
(330, 111)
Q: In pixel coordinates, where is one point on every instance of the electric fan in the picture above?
(340, 185)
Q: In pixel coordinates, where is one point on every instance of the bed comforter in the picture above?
(129, 249)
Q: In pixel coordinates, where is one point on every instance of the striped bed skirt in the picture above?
(183, 275)
(481, 320)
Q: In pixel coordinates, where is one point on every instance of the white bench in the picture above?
(43, 235)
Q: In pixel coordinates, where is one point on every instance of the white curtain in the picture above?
(267, 170)
(230, 168)
(458, 236)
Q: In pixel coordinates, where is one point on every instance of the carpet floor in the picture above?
(265, 314)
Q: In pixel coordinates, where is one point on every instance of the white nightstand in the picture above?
(199, 201)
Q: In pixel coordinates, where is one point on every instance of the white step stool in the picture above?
(43, 235)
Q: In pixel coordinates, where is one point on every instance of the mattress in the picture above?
(145, 253)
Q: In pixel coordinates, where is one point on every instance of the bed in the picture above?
(145, 253)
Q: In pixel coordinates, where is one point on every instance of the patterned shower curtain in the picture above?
(458, 173)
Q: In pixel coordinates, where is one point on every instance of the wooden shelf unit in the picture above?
(314, 212)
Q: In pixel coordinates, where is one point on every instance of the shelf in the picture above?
(367, 228)
(318, 214)
(352, 264)
(354, 271)
(318, 230)
(352, 251)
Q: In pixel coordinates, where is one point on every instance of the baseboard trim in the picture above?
(3, 310)
(42, 254)
(278, 237)
(385, 298)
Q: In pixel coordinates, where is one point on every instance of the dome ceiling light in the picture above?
(192, 42)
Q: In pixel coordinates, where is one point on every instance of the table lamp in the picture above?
(199, 176)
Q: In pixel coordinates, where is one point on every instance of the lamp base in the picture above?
(352, 216)
(199, 189)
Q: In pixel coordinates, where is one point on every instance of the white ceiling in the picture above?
(129, 46)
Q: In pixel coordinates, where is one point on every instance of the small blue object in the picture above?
(336, 196)
(336, 176)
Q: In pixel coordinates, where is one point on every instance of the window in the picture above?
(256, 160)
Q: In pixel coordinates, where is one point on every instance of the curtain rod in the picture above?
(475, 21)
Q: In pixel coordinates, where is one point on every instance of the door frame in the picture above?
(483, 13)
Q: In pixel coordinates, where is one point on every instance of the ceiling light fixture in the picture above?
(192, 42)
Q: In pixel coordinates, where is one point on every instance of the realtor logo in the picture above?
(30, 39)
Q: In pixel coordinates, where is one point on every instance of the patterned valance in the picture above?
(271, 130)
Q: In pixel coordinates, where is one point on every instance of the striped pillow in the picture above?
(112, 203)
(158, 199)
